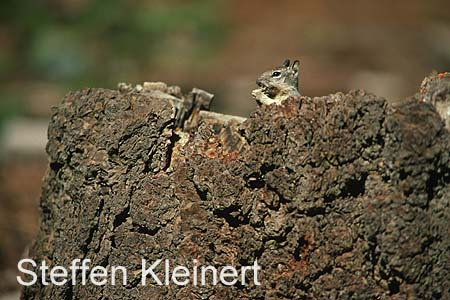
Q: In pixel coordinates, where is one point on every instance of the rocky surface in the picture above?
(337, 197)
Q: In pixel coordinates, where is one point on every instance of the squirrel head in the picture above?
(284, 75)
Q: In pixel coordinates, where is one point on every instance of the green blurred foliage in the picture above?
(10, 106)
(78, 43)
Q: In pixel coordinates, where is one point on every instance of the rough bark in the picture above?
(338, 197)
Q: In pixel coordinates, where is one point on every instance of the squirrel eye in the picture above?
(276, 74)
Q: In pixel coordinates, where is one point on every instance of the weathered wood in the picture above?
(337, 197)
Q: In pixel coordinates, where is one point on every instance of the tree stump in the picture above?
(336, 197)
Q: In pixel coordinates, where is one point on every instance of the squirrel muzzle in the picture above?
(259, 83)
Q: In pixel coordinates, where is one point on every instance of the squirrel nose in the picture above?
(258, 83)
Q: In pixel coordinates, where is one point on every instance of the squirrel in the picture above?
(278, 84)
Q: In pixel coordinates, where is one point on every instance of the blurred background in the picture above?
(49, 47)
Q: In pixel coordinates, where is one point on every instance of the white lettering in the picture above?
(203, 270)
(124, 275)
(74, 268)
(84, 269)
(194, 273)
(26, 271)
(228, 272)
(98, 271)
(145, 272)
(166, 272)
(256, 268)
(178, 275)
(180, 271)
(58, 272)
(44, 269)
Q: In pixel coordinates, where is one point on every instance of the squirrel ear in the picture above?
(286, 62)
(295, 65)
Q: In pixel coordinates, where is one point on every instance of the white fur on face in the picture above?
(261, 97)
